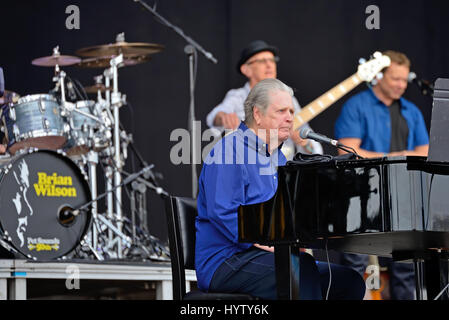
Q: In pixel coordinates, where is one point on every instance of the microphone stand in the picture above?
(425, 87)
(142, 161)
(191, 52)
(178, 30)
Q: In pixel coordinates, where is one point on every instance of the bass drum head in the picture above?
(36, 189)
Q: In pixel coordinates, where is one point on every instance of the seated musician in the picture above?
(380, 122)
(239, 170)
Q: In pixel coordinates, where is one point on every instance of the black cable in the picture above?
(428, 202)
(80, 86)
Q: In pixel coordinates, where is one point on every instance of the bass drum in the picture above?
(38, 189)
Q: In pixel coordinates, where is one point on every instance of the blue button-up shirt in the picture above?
(239, 170)
(365, 117)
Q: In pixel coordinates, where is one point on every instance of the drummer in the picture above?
(2, 138)
(2, 102)
(2, 134)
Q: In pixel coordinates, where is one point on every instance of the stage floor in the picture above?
(85, 279)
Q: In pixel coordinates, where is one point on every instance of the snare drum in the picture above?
(34, 121)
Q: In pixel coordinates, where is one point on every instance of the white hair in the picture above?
(260, 97)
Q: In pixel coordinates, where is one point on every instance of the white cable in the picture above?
(330, 273)
(436, 298)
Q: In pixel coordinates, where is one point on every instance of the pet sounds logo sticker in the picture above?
(54, 185)
(40, 244)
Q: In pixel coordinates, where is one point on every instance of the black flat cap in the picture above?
(253, 48)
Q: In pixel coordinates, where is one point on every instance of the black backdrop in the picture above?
(320, 43)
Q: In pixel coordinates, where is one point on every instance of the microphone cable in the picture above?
(330, 272)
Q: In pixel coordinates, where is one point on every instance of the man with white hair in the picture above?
(242, 169)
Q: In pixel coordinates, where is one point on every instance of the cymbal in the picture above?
(127, 48)
(95, 88)
(54, 60)
(9, 96)
(104, 62)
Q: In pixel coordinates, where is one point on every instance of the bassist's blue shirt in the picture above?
(365, 117)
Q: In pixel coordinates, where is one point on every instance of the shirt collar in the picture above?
(247, 87)
(401, 99)
(254, 142)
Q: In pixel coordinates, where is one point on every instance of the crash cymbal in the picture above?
(55, 60)
(95, 88)
(9, 96)
(104, 62)
(127, 48)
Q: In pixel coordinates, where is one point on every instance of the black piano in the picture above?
(394, 207)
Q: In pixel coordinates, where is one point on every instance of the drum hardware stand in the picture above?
(73, 109)
(59, 76)
(109, 175)
(142, 201)
(4, 244)
(92, 158)
(421, 292)
(107, 82)
(140, 189)
(108, 170)
(117, 100)
(141, 242)
(99, 218)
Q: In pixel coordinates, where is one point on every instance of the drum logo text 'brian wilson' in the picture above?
(54, 186)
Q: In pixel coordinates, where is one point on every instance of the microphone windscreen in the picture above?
(411, 76)
(304, 133)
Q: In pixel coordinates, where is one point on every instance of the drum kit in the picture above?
(55, 141)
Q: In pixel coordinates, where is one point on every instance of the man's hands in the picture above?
(266, 248)
(227, 120)
(294, 134)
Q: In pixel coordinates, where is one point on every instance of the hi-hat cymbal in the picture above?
(104, 62)
(95, 88)
(54, 60)
(9, 96)
(127, 48)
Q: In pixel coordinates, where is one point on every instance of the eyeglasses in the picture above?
(264, 60)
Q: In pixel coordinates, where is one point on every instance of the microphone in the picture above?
(307, 133)
(425, 86)
(411, 77)
(67, 215)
